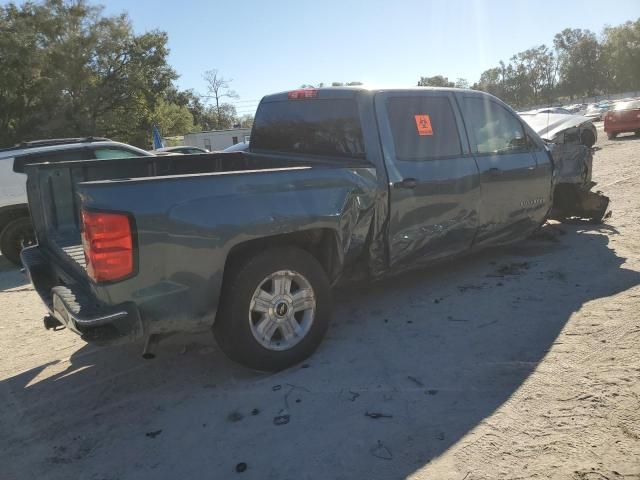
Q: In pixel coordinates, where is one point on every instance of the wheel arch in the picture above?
(321, 243)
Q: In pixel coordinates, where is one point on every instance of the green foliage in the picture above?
(578, 65)
(437, 81)
(621, 56)
(172, 119)
(70, 71)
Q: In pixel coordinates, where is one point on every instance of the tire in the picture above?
(637, 133)
(18, 233)
(244, 312)
(611, 135)
(587, 138)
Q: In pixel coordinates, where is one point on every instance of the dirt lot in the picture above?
(518, 363)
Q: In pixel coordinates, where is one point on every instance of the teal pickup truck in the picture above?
(338, 184)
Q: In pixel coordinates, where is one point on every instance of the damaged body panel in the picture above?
(366, 183)
(569, 139)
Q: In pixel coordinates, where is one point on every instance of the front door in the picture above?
(515, 192)
(433, 178)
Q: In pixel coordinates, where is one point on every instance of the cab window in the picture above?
(423, 127)
(493, 128)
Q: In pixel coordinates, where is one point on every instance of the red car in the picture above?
(625, 117)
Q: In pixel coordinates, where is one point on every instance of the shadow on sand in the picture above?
(439, 351)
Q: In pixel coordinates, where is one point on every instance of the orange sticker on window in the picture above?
(423, 124)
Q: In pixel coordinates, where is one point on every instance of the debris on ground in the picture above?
(241, 467)
(235, 416)
(464, 288)
(452, 319)
(376, 415)
(275, 388)
(415, 380)
(255, 411)
(514, 268)
(281, 419)
(153, 434)
(432, 392)
(349, 395)
(381, 451)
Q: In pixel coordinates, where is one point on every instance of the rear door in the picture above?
(433, 178)
(515, 192)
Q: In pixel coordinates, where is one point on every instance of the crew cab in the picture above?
(338, 184)
(15, 225)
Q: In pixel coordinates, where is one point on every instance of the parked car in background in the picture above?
(577, 108)
(597, 111)
(338, 184)
(625, 117)
(576, 128)
(560, 110)
(238, 147)
(184, 149)
(15, 224)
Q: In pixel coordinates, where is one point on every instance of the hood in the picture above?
(548, 125)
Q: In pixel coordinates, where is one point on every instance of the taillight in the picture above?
(303, 93)
(108, 245)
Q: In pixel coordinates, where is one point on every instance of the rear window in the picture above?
(423, 127)
(328, 127)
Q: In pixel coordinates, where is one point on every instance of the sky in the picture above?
(273, 45)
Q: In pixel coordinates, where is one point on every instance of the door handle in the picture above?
(406, 183)
(494, 171)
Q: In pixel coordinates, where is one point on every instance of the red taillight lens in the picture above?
(108, 245)
(303, 93)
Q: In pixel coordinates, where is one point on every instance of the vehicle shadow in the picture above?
(434, 352)
(10, 275)
(623, 137)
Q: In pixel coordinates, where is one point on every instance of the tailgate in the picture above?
(51, 191)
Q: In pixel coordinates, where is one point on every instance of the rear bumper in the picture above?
(76, 309)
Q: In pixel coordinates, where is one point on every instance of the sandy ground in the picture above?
(512, 364)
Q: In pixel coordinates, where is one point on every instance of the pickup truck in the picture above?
(338, 184)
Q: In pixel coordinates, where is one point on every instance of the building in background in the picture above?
(214, 140)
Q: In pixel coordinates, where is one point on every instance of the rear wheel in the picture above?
(275, 309)
(611, 135)
(16, 235)
(637, 133)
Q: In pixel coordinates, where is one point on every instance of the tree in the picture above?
(70, 71)
(348, 84)
(219, 88)
(621, 56)
(172, 119)
(461, 83)
(581, 68)
(437, 81)
(189, 99)
(218, 118)
(246, 120)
